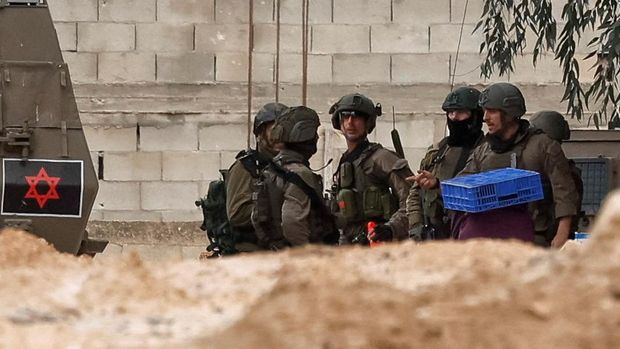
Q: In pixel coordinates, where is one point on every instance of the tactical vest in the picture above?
(444, 163)
(359, 196)
(268, 199)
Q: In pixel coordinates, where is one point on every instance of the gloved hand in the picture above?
(383, 232)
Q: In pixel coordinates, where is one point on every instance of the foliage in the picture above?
(504, 24)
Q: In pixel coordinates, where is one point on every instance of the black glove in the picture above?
(382, 232)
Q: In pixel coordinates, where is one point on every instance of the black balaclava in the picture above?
(306, 149)
(465, 133)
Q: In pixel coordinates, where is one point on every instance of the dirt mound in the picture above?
(18, 248)
(451, 294)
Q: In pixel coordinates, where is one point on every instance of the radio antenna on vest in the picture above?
(458, 47)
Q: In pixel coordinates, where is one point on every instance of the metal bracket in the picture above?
(18, 137)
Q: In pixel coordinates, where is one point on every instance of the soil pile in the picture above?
(475, 294)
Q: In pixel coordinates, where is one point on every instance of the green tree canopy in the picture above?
(504, 24)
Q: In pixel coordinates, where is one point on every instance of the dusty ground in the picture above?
(479, 294)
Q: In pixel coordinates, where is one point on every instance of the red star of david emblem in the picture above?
(33, 193)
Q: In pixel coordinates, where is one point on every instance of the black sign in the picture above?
(42, 187)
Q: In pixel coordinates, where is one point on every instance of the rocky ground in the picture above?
(478, 294)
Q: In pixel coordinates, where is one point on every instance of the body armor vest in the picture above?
(360, 196)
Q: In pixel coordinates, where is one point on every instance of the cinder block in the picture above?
(414, 156)
(186, 67)
(95, 215)
(547, 70)
(468, 69)
(126, 66)
(221, 38)
(320, 11)
(185, 11)
(362, 11)
(82, 66)
(340, 38)
(234, 67)
(319, 68)
(101, 37)
(127, 11)
(194, 215)
(135, 166)
(265, 38)
(131, 216)
(223, 137)
(118, 196)
(189, 166)
(421, 68)
(398, 38)
(67, 35)
(169, 195)
(170, 137)
(164, 37)
(111, 138)
(353, 69)
(413, 133)
(474, 11)
(73, 10)
(237, 11)
(445, 38)
(421, 12)
(155, 253)
(227, 158)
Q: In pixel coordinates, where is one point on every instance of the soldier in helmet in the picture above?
(427, 218)
(511, 142)
(555, 126)
(369, 184)
(245, 170)
(289, 209)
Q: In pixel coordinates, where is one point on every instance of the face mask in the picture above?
(463, 133)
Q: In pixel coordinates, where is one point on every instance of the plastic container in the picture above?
(492, 189)
(581, 237)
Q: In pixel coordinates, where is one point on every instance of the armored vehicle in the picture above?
(48, 181)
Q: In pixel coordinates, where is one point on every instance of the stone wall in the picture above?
(161, 84)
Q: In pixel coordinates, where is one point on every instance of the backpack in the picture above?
(215, 220)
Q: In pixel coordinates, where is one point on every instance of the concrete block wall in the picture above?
(197, 41)
(161, 84)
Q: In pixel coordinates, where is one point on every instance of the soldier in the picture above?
(244, 171)
(556, 127)
(289, 209)
(369, 184)
(511, 142)
(427, 218)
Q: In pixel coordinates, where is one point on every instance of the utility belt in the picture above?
(361, 203)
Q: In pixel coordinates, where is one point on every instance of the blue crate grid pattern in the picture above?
(492, 189)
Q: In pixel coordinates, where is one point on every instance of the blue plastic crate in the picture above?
(492, 189)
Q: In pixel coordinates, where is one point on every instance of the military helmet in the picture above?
(505, 97)
(358, 103)
(552, 123)
(296, 125)
(266, 114)
(463, 98)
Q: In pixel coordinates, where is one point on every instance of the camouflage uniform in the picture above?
(369, 184)
(444, 160)
(531, 150)
(289, 210)
(241, 177)
(556, 127)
